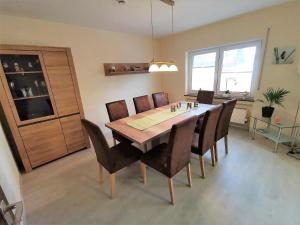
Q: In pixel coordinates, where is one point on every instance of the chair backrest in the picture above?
(179, 146)
(117, 110)
(208, 129)
(141, 104)
(224, 120)
(205, 97)
(99, 142)
(160, 99)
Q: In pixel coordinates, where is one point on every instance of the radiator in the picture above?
(239, 116)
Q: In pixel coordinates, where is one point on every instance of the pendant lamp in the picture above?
(161, 66)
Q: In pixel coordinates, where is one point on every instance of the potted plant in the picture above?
(272, 97)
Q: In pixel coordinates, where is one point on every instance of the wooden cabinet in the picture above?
(43, 141)
(73, 132)
(41, 103)
(61, 82)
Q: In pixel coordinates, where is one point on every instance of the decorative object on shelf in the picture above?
(18, 68)
(29, 91)
(5, 65)
(43, 89)
(173, 108)
(30, 65)
(277, 119)
(24, 93)
(284, 55)
(272, 97)
(227, 80)
(12, 89)
(113, 69)
(162, 66)
(189, 105)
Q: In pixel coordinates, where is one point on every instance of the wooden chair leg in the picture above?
(101, 178)
(202, 167)
(113, 185)
(115, 142)
(189, 174)
(216, 152)
(226, 144)
(212, 152)
(171, 188)
(144, 172)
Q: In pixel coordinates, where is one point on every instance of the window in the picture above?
(231, 68)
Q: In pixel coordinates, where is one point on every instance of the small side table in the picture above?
(276, 134)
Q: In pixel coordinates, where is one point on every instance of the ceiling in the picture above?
(133, 16)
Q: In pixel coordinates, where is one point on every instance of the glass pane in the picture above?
(203, 78)
(27, 85)
(237, 69)
(238, 60)
(236, 82)
(203, 71)
(205, 60)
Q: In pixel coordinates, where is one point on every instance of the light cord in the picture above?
(152, 30)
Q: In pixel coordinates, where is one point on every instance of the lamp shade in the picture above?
(173, 68)
(153, 68)
(164, 68)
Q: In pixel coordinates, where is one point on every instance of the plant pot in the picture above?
(267, 111)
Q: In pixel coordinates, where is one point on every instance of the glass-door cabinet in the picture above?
(27, 86)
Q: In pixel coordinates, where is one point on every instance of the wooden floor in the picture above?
(250, 186)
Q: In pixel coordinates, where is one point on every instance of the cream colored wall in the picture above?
(9, 174)
(90, 48)
(285, 31)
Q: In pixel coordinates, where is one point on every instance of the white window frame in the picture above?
(218, 66)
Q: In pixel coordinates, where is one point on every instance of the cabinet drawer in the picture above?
(73, 133)
(43, 142)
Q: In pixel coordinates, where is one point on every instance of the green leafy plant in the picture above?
(274, 96)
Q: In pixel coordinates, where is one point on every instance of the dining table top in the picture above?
(144, 136)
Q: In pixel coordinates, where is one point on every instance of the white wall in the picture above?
(9, 174)
(285, 31)
(90, 48)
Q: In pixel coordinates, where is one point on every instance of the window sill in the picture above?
(245, 99)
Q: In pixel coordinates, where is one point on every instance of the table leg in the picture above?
(254, 128)
(295, 134)
(278, 140)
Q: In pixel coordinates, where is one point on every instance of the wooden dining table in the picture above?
(142, 137)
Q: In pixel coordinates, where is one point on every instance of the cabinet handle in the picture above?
(18, 206)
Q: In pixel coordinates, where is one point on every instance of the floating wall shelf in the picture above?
(115, 69)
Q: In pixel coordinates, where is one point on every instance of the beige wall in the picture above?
(285, 31)
(90, 48)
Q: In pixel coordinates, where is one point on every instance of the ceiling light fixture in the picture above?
(162, 66)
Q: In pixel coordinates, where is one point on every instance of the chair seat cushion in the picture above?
(121, 138)
(123, 155)
(157, 159)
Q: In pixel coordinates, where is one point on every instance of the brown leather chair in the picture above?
(160, 99)
(112, 159)
(223, 124)
(171, 158)
(117, 110)
(205, 97)
(141, 104)
(205, 139)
